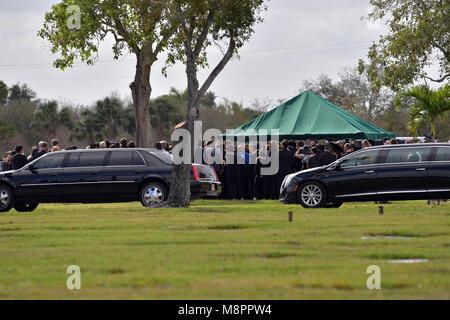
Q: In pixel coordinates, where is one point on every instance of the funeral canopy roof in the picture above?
(309, 116)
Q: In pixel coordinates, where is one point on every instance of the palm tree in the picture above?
(430, 104)
(48, 118)
(109, 116)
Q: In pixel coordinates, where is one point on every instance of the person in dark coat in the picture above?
(43, 149)
(297, 162)
(243, 154)
(234, 190)
(33, 154)
(285, 166)
(313, 160)
(347, 149)
(327, 156)
(19, 160)
(6, 164)
(264, 184)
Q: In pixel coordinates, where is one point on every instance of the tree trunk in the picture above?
(180, 191)
(433, 130)
(140, 91)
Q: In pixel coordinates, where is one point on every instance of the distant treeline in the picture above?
(26, 119)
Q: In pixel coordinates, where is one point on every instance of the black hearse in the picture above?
(97, 176)
(388, 172)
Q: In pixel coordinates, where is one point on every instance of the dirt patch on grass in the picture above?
(277, 255)
(393, 256)
(10, 229)
(336, 286)
(227, 227)
(212, 210)
(164, 243)
(116, 270)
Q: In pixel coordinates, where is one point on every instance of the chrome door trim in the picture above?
(387, 192)
(73, 183)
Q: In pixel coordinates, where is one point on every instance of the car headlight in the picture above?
(288, 179)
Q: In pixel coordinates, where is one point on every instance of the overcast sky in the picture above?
(298, 40)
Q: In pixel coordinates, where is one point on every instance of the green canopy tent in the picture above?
(309, 116)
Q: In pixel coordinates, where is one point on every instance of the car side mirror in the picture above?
(32, 168)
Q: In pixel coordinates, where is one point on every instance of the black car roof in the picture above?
(409, 145)
(108, 149)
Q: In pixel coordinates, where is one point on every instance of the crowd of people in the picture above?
(245, 181)
(16, 159)
(241, 179)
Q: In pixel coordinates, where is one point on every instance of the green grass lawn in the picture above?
(225, 250)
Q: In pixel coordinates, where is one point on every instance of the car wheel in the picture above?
(312, 195)
(6, 198)
(153, 194)
(25, 207)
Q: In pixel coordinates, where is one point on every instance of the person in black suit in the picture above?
(6, 164)
(285, 166)
(43, 149)
(313, 160)
(19, 160)
(347, 149)
(327, 156)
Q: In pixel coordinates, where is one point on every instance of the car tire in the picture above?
(312, 195)
(7, 199)
(153, 194)
(26, 207)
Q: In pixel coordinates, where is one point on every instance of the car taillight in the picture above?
(217, 178)
(194, 170)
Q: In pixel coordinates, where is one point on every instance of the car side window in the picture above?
(121, 158)
(52, 161)
(91, 159)
(402, 155)
(125, 158)
(360, 159)
(73, 160)
(151, 159)
(442, 154)
(137, 159)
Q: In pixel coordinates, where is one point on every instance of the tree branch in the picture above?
(439, 80)
(201, 39)
(218, 69)
(188, 40)
(123, 32)
(164, 39)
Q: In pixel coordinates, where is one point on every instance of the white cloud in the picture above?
(304, 39)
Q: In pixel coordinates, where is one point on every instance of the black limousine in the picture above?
(382, 173)
(98, 176)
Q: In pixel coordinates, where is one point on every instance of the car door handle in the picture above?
(54, 174)
(421, 169)
(369, 172)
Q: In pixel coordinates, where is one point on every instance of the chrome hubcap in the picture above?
(4, 198)
(153, 196)
(311, 195)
